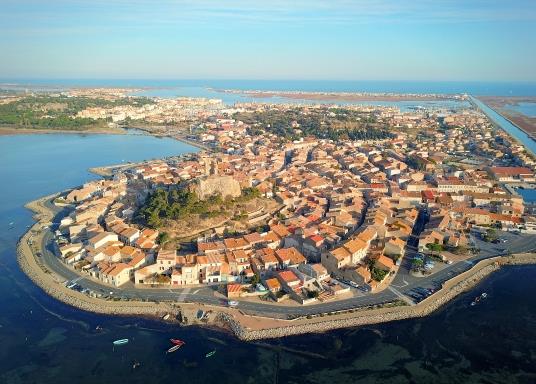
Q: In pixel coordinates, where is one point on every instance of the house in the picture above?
(116, 274)
(289, 281)
(395, 247)
(316, 271)
(512, 174)
(234, 290)
(357, 249)
(166, 259)
(385, 263)
(129, 235)
(272, 285)
(102, 239)
(336, 259)
(70, 248)
(144, 274)
(185, 274)
(358, 274)
(267, 258)
(289, 256)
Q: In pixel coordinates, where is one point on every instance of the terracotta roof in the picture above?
(288, 276)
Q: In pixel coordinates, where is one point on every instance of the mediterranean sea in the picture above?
(477, 88)
(45, 341)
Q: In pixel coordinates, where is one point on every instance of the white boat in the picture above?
(484, 295)
(166, 316)
(174, 348)
(121, 342)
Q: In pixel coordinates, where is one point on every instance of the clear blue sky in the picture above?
(306, 39)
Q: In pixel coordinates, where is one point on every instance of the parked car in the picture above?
(232, 303)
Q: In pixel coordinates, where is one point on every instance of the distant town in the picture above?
(297, 204)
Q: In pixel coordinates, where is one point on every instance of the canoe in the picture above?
(174, 348)
(211, 353)
(121, 342)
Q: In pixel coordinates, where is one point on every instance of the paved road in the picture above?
(403, 283)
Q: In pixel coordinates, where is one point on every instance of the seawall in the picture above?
(451, 289)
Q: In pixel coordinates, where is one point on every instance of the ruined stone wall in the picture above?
(208, 186)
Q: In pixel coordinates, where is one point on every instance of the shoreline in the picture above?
(7, 131)
(244, 327)
(338, 96)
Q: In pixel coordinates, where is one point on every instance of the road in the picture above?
(403, 283)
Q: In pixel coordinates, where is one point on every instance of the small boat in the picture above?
(136, 364)
(484, 295)
(166, 316)
(174, 348)
(121, 342)
(211, 353)
(177, 342)
(473, 304)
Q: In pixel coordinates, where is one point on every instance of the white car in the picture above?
(232, 303)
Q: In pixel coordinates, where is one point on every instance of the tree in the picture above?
(416, 264)
(378, 274)
(163, 238)
(434, 247)
(255, 279)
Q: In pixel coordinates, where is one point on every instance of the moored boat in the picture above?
(121, 342)
(177, 342)
(174, 348)
(484, 295)
(211, 353)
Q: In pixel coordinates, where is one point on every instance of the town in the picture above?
(324, 205)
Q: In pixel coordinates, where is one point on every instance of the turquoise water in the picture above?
(528, 109)
(44, 341)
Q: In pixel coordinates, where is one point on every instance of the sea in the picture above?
(46, 341)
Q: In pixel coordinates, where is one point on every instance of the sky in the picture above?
(437, 40)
